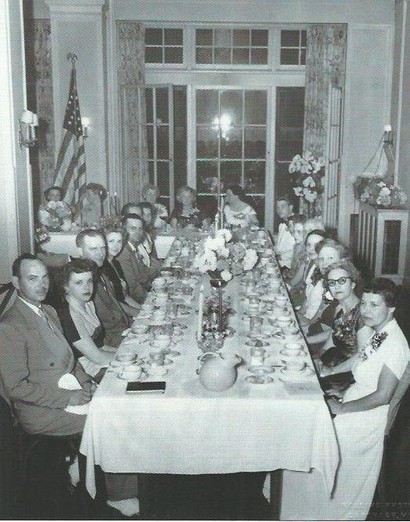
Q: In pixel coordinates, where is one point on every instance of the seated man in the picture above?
(34, 356)
(284, 242)
(138, 264)
(91, 244)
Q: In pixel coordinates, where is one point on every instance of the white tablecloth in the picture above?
(189, 430)
(64, 243)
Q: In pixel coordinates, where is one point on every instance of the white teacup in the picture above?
(295, 365)
(131, 372)
(126, 359)
(294, 347)
(162, 341)
(281, 301)
(284, 321)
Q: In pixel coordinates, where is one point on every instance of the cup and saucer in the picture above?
(295, 371)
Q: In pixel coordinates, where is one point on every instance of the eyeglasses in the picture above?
(341, 281)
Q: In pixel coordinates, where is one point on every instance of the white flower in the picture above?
(249, 261)
(309, 195)
(308, 156)
(226, 275)
(385, 191)
(298, 191)
(381, 184)
(225, 233)
(309, 182)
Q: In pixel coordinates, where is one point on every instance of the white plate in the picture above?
(130, 378)
(287, 376)
(261, 370)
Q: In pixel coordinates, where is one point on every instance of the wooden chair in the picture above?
(394, 406)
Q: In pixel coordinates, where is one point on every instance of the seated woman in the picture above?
(341, 319)
(362, 414)
(148, 213)
(186, 213)
(237, 212)
(150, 194)
(320, 301)
(114, 236)
(55, 214)
(78, 317)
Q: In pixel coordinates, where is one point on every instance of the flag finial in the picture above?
(73, 57)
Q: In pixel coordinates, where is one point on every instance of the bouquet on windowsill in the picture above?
(222, 257)
(379, 192)
(308, 174)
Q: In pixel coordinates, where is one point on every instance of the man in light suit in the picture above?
(34, 355)
(91, 244)
(139, 272)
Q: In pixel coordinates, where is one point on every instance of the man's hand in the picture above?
(79, 397)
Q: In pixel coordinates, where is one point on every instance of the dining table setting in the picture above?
(214, 375)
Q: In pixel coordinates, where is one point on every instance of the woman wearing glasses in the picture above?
(342, 279)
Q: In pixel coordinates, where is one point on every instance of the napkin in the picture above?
(69, 382)
(90, 367)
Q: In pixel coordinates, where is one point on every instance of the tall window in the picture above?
(164, 46)
(231, 140)
(293, 47)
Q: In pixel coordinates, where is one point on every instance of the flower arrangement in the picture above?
(219, 254)
(379, 192)
(307, 183)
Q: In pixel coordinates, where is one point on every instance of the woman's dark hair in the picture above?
(97, 188)
(238, 191)
(47, 192)
(126, 208)
(384, 287)
(348, 267)
(297, 219)
(79, 266)
(317, 232)
(286, 197)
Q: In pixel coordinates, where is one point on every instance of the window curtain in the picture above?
(325, 66)
(131, 78)
(40, 87)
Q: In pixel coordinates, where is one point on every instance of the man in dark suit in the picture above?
(114, 319)
(139, 272)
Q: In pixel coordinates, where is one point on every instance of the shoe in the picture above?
(128, 507)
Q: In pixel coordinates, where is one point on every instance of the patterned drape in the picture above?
(131, 82)
(325, 66)
(42, 84)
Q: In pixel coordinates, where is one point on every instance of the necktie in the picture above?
(43, 315)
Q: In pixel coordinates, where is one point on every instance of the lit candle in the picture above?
(200, 311)
(222, 210)
(217, 222)
(387, 128)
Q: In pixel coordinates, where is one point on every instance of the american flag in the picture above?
(70, 171)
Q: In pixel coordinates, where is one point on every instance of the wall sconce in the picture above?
(85, 122)
(388, 135)
(27, 132)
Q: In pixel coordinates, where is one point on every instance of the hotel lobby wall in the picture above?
(16, 231)
(401, 107)
(368, 83)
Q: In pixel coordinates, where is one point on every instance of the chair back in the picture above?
(398, 395)
(7, 297)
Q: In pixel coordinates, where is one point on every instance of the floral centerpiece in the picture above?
(221, 257)
(307, 180)
(379, 192)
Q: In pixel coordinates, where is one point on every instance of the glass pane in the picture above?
(153, 54)
(180, 134)
(204, 55)
(231, 107)
(259, 56)
(289, 38)
(222, 38)
(240, 56)
(153, 36)
(206, 174)
(231, 143)
(254, 177)
(303, 57)
(223, 55)
(258, 203)
(255, 142)
(163, 177)
(207, 142)
(149, 105)
(259, 37)
(173, 55)
(173, 37)
(163, 142)
(289, 56)
(162, 105)
(303, 38)
(150, 141)
(206, 106)
(255, 107)
(231, 172)
(204, 36)
(240, 37)
(151, 172)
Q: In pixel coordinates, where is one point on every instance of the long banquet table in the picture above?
(189, 430)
